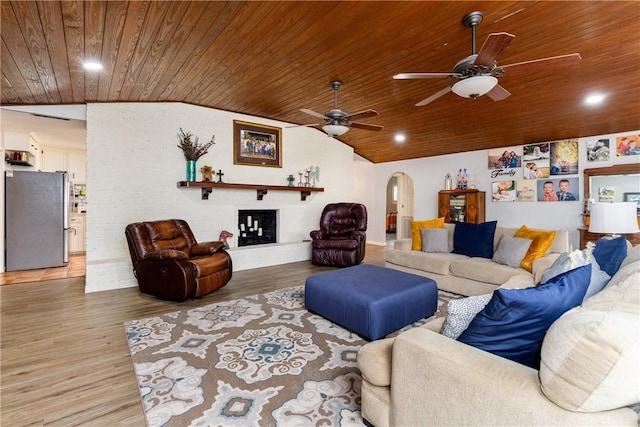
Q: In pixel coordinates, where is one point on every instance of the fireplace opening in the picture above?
(257, 227)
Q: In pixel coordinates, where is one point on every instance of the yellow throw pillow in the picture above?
(542, 240)
(416, 226)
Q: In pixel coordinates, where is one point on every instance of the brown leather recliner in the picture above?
(171, 265)
(341, 240)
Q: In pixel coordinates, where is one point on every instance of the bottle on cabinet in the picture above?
(79, 198)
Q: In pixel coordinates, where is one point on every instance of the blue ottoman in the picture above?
(369, 300)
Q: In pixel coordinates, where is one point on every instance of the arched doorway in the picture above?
(399, 206)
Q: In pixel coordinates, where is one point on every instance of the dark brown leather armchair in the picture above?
(171, 265)
(341, 240)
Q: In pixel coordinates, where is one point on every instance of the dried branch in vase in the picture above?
(191, 147)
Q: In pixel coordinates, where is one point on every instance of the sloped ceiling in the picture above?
(269, 59)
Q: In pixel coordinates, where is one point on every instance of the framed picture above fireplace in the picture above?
(256, 145)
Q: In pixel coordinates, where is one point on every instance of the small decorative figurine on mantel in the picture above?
(207, 173)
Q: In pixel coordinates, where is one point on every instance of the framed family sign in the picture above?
(256, 145)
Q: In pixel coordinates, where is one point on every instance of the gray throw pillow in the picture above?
(435, 240)
(511, 250)
(599, 279)
(460, 313)
(574, 259)
(565, 262)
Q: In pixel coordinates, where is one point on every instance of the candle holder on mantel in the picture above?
(314, 173)
(290, 180)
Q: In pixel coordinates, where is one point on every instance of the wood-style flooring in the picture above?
(64, 359)
(75, 268)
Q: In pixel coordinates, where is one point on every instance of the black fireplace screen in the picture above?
(257, 227)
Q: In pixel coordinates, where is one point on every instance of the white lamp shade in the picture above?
(335, 130)
(613, 218)
(475, 86)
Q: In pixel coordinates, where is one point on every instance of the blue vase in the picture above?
(191, 170)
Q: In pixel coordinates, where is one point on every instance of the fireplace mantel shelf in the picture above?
(207, 187)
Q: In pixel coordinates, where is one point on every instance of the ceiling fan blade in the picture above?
(313, 113)
(362, 115)
(498, 93)
(492, 47)
(541, 64)
(406, 76)
(308, 125)
(365, 126)
(434, 96)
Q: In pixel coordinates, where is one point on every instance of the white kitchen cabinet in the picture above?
(21, 142)
(22, 150)
(54, 159)
(76, 234)
(72, 161)
(77, 166)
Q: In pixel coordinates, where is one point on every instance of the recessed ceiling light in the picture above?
(399, 137)
(594, 99)
(92, 66)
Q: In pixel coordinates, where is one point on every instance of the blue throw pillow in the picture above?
(609, 253)
(514, 322)
(474, 240)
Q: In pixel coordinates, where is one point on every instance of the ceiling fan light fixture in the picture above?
(335, 130)
(474, 87)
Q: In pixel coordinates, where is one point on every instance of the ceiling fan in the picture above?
(336, 122)
(478, 73)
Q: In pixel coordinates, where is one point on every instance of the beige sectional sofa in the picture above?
(588, 373)
(471, 276)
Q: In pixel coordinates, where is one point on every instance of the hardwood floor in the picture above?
(75, 268)
(64, 358)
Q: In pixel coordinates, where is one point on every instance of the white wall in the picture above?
(428, 176)
(134, 164)
(365, 191)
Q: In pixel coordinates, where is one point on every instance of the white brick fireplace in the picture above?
(134, 164)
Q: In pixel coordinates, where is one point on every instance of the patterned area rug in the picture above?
(259, 361)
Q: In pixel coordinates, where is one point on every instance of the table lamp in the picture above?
(614, 219)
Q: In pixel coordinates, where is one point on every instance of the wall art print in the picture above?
(526, 190)
(632, 197)
(558, 190)
(505, 158)
(503, 191)
(598, 150)
(564, 157)
(628, 145)
(256, 145)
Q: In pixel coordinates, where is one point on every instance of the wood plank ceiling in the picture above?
(269, 59)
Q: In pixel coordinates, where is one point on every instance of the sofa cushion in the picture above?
(460, 313)
(474, 240)
(511, 250)
(542, 240)
(589, 359)
(416, 226)
(633, 255)
(374, 361)
(514, 322)
(485, 270)
(433, 263)
(610, 252)
(435, 240)
(570, 260)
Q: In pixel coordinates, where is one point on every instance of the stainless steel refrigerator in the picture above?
(36, 220)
